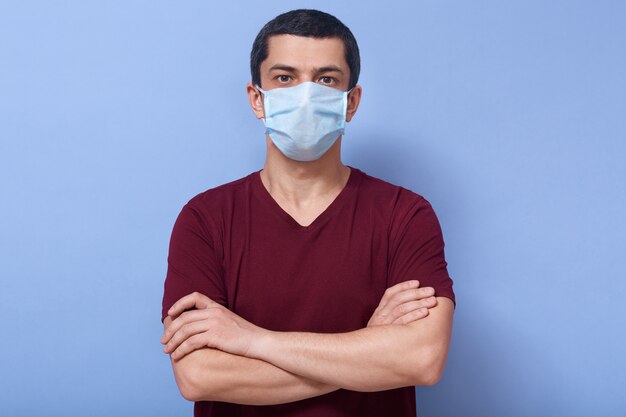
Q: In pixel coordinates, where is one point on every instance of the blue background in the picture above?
(508, 116)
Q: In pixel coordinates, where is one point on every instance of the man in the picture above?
(307, 288)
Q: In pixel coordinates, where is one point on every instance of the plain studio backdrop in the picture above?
(508, 116)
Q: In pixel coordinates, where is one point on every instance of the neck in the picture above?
(299, 182)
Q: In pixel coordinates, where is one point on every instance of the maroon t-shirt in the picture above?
(236, 245)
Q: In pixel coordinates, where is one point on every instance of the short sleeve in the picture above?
(417, 249)
(192, 264)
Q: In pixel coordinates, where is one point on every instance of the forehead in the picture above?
(304, 52)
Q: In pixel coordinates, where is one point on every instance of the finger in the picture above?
(184, 333)
(392, 291)
(412, 316)
(189, 301)
(195, 299)
(405, 308)
(407, 296)
(378, 318)
(184, 318)
(384, 313)
(195, 342)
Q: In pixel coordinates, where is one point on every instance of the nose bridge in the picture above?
(308, 71)
(309, 74)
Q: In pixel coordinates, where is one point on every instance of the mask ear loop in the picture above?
(348, 95)
(345, 107)
(263, 92)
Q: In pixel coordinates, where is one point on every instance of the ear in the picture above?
(256, 100)
(354, 98)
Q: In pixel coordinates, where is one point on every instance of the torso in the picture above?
(321, 271)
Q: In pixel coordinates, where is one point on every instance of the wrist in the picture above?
(262, 344)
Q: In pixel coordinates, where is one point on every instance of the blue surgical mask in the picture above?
(305, 120)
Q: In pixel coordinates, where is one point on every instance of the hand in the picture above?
(403, 303)
(210, 325)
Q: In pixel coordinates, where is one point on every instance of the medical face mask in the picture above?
(304, 121)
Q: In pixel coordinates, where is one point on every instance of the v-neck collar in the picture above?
(322, 218)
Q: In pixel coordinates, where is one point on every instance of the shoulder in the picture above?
(403, 210)
(211, 208)
(223, 195)
(398, 199)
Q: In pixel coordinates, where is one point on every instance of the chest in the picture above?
(329, 279)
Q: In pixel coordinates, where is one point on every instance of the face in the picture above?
(295, 59)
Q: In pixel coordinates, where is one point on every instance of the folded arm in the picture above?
(369, 359)
(211, 374)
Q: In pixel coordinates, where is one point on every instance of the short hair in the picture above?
(309, 23)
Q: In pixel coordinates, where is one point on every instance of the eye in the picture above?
(283, 78)
(327, 80)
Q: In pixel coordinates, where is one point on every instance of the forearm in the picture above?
(364, 360)
(210, 374)
(369, 359)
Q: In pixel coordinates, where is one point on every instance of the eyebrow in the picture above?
(283, 68)
(328, 68)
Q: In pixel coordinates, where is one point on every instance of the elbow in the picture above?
(425, 377)
(188, 391)
(185, 382)
(428, 368)
(188, 381)
(431, 377)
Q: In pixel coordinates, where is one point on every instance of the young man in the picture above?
(307, 288)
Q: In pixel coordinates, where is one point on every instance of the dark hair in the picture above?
(308, 23)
